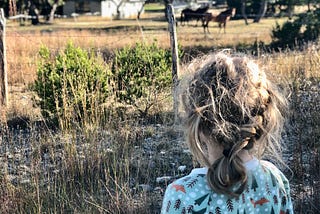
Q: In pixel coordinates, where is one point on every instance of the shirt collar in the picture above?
(249, 165)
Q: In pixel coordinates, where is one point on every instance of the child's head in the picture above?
(230, 106)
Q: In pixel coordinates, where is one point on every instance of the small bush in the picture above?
(305, 28)
(141, 74)
(286, 35)
(72, 86)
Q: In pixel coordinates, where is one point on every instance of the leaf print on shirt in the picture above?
(254, 184)
(247, 189)
(183, 211)
(243, 198)
(229, 205)
(168, 206)
(192, 183)
(218, 211)
(178, 188)
(268, 189)
(275, 199)
(200, 200)
(190, 208)
(284, 201)
(177, 204)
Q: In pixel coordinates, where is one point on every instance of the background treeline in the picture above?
(47, 7)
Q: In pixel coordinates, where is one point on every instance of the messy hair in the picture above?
(230, 103)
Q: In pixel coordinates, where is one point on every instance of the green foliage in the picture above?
(58, 2)
(286, 35)
(71, 85)
(312, 23)
(141, 73)
(305, 28)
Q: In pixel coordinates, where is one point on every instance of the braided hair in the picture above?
(230, 103)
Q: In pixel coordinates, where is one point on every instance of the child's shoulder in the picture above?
(270, 166)
(274, 171)
(197, 178)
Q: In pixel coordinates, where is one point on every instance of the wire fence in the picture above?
(24, 43)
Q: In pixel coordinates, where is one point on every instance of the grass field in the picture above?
(23, 42)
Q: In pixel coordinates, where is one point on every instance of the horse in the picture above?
(222, 19)
(189, 14)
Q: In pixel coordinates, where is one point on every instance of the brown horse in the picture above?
(222, 19)
(189, 14)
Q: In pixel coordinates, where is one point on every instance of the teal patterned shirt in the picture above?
(267, 192)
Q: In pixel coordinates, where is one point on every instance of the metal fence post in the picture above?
(175, 58)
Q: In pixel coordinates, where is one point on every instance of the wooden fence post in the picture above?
(3, 63)
(175, 58)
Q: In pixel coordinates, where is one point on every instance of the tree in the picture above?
(54, 5)
(262, 10)
(34, 13)
(243, 11)
(257, 9)
(305, 28)
(34, 8)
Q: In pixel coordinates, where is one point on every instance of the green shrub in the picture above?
(72, 85)
(312, 20)
(305, 28)
(141, 73)
(286, 35)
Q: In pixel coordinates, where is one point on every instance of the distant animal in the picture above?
(189, 14)
(222, 19)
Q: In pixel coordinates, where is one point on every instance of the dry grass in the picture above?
(23, 42)
(90, 170)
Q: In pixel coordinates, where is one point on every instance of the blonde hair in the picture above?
(229, 102)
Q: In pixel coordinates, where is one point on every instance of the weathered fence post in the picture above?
(175, 58)
(3, 63)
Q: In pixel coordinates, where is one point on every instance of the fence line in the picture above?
(23, 46)
(3, 62)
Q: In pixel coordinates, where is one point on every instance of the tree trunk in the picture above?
(53, 10)
(118, 9)
(262, 11)
(141, 10)
(243, 11)
(290, 8)
(34, 13)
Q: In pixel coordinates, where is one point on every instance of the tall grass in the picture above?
(84, 171)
